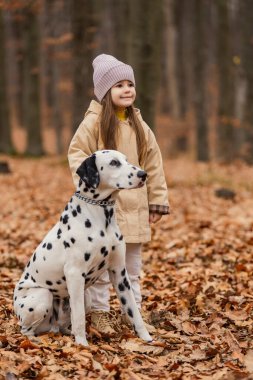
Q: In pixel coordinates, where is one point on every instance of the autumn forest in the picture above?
(192, 61)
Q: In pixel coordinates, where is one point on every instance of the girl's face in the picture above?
(123, 94)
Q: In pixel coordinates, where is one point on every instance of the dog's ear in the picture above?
(88, 172)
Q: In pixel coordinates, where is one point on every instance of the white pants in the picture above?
(99, 293)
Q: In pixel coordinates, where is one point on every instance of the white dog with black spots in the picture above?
(84, 243)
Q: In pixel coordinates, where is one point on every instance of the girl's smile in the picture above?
(123, 94)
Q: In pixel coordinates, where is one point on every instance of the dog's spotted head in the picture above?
(110, 169)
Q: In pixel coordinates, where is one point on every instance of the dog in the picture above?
(84, 243)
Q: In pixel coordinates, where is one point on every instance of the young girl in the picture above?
(113, 123)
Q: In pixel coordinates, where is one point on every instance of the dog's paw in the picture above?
(81, 340)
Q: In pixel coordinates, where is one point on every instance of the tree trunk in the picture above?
(200, 66)
(5, 131)
(144, 53)
(170, 95)
(85, 17)
(225, 128)
(247, 54)
(32, 82)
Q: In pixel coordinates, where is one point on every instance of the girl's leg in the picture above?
(100, 293)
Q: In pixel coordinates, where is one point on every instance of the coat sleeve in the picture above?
(156, 183)
(82, 145)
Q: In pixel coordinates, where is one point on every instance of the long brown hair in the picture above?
(109, 125)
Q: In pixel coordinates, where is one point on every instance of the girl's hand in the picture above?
(154, 217)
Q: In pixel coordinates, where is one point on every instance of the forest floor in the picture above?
(197, 279)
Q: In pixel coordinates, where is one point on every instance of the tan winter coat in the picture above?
(132, 206)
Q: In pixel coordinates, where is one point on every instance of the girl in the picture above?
(113, 123)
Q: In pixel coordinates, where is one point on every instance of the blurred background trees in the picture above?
(192, 61)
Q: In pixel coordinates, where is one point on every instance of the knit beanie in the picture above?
(107, 72)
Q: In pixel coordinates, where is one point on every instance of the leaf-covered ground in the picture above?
(197, 280)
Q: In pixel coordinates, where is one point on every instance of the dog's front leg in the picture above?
(75, 285)
(122, 285)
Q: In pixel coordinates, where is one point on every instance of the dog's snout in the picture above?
(141, 174)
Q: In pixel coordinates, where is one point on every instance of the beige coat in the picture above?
(132, 207)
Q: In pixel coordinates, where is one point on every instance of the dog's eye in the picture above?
(115, 163)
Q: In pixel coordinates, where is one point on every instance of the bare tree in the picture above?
(200, 71)
(85, 18)
(32, 111)
(225, 127)
(144, 53)
(5, 131)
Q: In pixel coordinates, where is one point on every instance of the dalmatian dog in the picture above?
(84, 243)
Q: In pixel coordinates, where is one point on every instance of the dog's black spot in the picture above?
(44, 258)
(85, 189)
(15, 299)
(126, 283)
(49, 246)
(44, 245)
(87, 279)
(123, 300)
(49, 283)
(30, 309)
(69, 227)
(66, 208)
(86, 256)
(65, 219)
(101, 265)
(121, 287)
(58, 282)
(27, 275)
(92, 191)
(130, 312)
(84, 275)
(59, 231)
(64, 278)
(117, 235)
(90, 238)
(101, 168)
(28, 264)
(34, 256)
(113, 247)
(121, 237)
(53, 290)
(108, 216)
(133, 167)
(22, 305)
(33, 279)
(95, 196)
(72, 240)
(74, 213)
(87, 223)
(78, 209)
(102, 233)
(66, 244)
(71, 200)
(20, 288)
(123, 272)
(130, 183)
(37, 271)
(103, 249)
(91, 271)
(117, 184)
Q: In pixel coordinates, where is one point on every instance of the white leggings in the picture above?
(100, 292)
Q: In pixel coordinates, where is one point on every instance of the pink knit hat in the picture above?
(107, 72)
